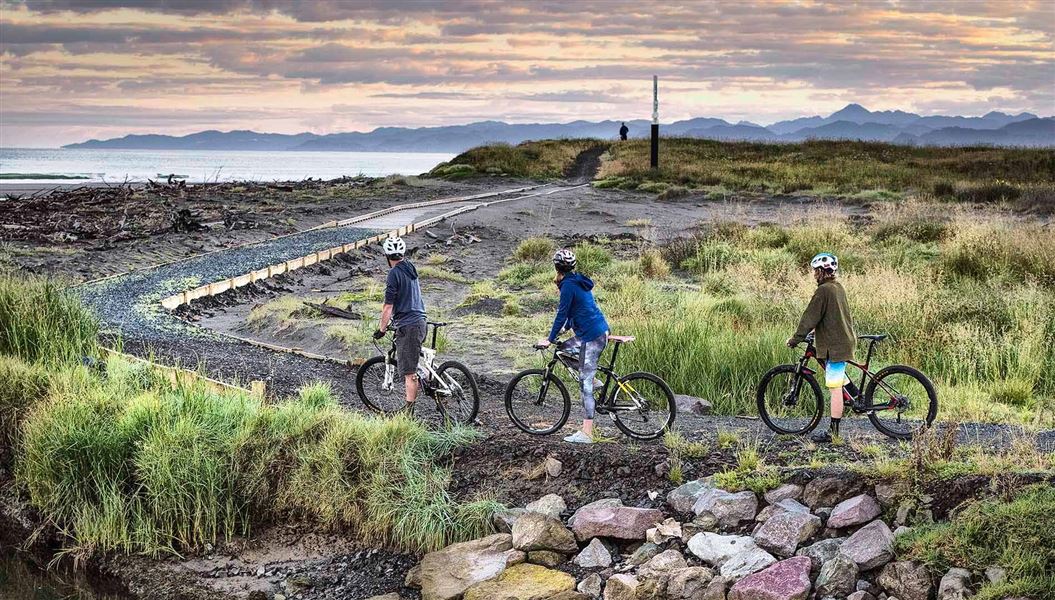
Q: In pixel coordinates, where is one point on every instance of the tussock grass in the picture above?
(41, 321)
(1012, 534)
(535, 249)
(22, 385)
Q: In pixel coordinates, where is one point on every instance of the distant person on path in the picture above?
(623, 131)
(404, 310)
(578, 310)
(828, 314)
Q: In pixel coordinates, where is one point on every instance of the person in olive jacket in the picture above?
(828, 315)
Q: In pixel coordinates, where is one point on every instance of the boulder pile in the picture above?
(825, 540)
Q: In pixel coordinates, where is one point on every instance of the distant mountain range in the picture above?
(851, 123)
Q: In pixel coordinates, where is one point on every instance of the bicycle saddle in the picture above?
(621, 339)
(875, 338)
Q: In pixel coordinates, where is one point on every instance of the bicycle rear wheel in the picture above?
(369, 382)
(789, 402)
(643, 406)
(537, 404)
(908, 398)
(461, 405)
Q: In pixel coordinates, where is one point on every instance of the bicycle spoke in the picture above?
(641, 407)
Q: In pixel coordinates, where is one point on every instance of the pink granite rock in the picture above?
(854, 511)
(786, 580)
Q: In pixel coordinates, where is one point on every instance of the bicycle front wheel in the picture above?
(457, 396)
(536, 403)
(905, 398)
(370, 383)
(643, 406)
(789, 402)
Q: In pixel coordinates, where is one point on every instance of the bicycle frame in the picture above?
(428, 355)
(866, 374)
(607, 401)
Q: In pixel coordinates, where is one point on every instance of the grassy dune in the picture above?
(970, 302)
(864, 170)
(124, 460)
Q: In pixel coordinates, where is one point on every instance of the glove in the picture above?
(379, 334)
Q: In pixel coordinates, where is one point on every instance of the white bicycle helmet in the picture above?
(826, 261)
(394, 247)
(564, 260)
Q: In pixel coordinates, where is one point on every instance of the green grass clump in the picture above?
(22, 385)
(591, 258)
(652, 264)
(42, 322)
(535, 249)
(1016, 535)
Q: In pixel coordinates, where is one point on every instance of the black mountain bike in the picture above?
(898, 399)
(383, 389)
(641, 404)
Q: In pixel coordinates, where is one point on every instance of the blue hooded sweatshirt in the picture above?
(578, 309)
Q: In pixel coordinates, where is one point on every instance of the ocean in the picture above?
(33, 165)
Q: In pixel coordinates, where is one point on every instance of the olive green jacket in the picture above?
(829, 315)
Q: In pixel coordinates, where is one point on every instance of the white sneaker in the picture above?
(579, 438)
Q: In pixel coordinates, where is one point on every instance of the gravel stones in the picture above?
(854, 511)
(870, 546)
(786, 580)
(782, 533)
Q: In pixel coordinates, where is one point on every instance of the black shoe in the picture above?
(824, 437)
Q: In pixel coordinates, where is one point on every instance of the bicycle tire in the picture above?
(473, 388)
(668, 395)
(520, 423)
(360, 384)
(873, 384)
(763, 411)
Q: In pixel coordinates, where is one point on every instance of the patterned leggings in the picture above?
(589, 353)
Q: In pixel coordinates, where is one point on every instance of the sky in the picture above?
(71, 70)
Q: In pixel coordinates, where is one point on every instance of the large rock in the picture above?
(446, 574)
(955, 585)
(662, 564)
(716, 589)
(729, 508)
(870, 546)
(854, 511)
(786, 580)
(782, 533)
(822, 551)
(692, 404)
(550, 505)
(837, 578)
(785, 505)
(715, 549)
(523, 582)
(536, 531)
(594, 555)
(787, 491)
(905, 579)
(644, 553)
(689, 583)
(745, 563)
(620, 522)
(546, 558)
(602, 503)
(621, 587)
(829, 490)
(591, 586)
(860, 595)
(684, 496)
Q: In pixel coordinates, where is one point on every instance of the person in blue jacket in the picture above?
(578, 311)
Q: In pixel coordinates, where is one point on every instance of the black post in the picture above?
(655, 146)
(655, 123)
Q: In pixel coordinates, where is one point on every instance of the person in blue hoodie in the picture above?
(578, 311)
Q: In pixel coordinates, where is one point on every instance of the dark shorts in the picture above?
(408, 346)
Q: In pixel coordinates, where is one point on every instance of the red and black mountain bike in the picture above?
(898, 399)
